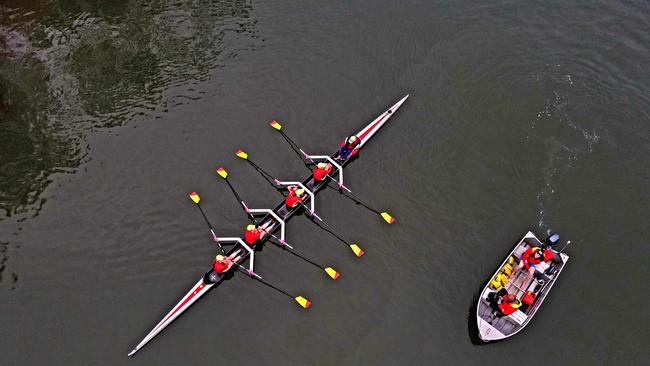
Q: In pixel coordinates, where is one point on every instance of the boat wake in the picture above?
(566, 140)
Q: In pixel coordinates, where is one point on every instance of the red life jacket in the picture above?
(529, 258)
(251, 237)
(292, 199)
(219, 267)
(508, 308)
(320, 174)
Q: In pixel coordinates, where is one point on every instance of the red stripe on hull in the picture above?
(374, 125)
(180, 306)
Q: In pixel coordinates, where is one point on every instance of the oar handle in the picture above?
(214, 236)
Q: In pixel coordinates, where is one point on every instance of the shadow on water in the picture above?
(472, 325)
(67, 68)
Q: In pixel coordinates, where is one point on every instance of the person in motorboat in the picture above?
(295, 196)
(253, 234)
(322, 170)
(531, 258)
(222, 264)
(347, 148)
(503, 303)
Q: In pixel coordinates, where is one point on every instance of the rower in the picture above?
(253, 234)
(295, 196)
(222, 264)
(347, 148)
(322, 170)
(503, 303)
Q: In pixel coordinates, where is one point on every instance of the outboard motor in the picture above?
(552, 240)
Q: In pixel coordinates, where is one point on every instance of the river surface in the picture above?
(522, 116)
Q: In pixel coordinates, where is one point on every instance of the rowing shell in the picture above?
(211, 278)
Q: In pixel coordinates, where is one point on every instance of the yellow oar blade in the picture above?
(388, 218)
(222, 172)
(195, 197)
(276, 125)
(242, 154)
(302, 301)
(332, 273)
(357, 251)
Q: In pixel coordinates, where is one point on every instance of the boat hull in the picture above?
(281, 210)
(492, 327)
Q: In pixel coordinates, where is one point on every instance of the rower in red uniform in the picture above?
(253, 234)
(222, 264)
(347, 148)
(294, 197)
(322, 170)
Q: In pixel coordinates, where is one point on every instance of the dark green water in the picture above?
(522, 116)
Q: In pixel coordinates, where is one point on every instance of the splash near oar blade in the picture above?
(242, 154)
(357, 250)
(195, 197)
(222, 172)
(302, 301)
(388, 218)
(332, 273)
(276, 125)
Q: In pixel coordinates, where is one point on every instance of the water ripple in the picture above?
(74, 68)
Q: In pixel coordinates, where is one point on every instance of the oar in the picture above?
(302, 301)
(299, 299)
(355, 248)
(385, 215)
(277, 126)
(268, 177)
(197, 199)
(281, 243)
(224, 174)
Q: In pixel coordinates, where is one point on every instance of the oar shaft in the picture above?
(295, 253)
(268, 177)
(259, 278)
(355, 198)
(296, 148)
(329, 228)
(205, 218)
(239, 199)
